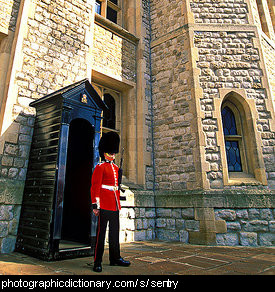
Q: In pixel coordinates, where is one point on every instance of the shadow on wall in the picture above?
(15, 146)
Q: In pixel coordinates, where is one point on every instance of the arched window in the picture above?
(241, 153)
(109, 116)
(232, 141)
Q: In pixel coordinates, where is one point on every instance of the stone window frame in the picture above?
(271, 7)
(266, 17)
(239, 136)
(107, 3)
(253, 163)
(102, 90)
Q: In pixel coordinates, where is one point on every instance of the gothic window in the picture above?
(266, 16)
(109, 116)
(241, 154)
(108, 8)
(232, 141)
(271, 8)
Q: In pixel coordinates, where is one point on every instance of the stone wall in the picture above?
(226, 59)
(269, 55)
(149, 118)
(218, 218)
(8, 15)
(247, 227)
(54, 53)
(174, 132)
(113, 55)
(231, 60)
(166, 17)
(220, 11)
(173, 116)
(229, 226)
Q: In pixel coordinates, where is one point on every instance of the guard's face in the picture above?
(109, 156)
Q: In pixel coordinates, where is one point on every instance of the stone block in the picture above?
(176, 213)
(150, 234)
(170, 235)
(140, 235)
(207, 226)
(221, 226)
(150, 213)
(184, 236)
(192, 225)
(180, 224)
(271, 226)
(225, 214)
(253, 213)
(160, 222)
(248, 238)
(6, 212)
(164, 212)
(205, 238)
(267, 239)
(4, 230)
(187, 213)
(255, 225)
(236, 226)
(8, 244)
(138, 224)
(227, 239)
(242, 213)
(266, 214)
(204, 214)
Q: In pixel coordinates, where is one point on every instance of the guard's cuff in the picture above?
(94, 206)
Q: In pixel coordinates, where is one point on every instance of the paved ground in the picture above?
(155, 258)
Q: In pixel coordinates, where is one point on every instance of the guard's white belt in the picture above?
(110, 188)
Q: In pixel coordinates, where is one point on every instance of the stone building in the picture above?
(190, 85)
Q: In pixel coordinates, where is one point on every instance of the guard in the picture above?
(105, 197)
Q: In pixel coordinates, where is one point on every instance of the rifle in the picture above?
(119, 179)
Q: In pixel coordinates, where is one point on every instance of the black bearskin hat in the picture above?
(109, 143)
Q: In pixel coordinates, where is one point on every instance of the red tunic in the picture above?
(105, 173)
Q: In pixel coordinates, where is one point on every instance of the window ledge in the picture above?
(115, 28)
(242, 179)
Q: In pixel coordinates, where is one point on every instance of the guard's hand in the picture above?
(96, 212)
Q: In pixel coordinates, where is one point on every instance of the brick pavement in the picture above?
(154, 258)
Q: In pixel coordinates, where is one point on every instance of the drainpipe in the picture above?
(151, 105)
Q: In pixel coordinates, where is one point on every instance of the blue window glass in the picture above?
(233, 156)
(231, 145)
(228, 120)
(98, 7)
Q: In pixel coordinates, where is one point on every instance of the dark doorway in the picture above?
(76, 222)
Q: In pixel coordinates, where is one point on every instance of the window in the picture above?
(240, 142)
(262, 17)
(235, 138)
(109, 9)
(98, 7)
(109, 116)
(232, 140)
(271, 8)
(266, 10)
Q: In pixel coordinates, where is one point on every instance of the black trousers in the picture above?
(112, 217)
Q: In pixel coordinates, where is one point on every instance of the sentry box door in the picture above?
(56, 217)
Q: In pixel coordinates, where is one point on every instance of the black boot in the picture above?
(120, 262)
(97, 267)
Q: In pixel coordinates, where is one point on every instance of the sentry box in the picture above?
(56, 217)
